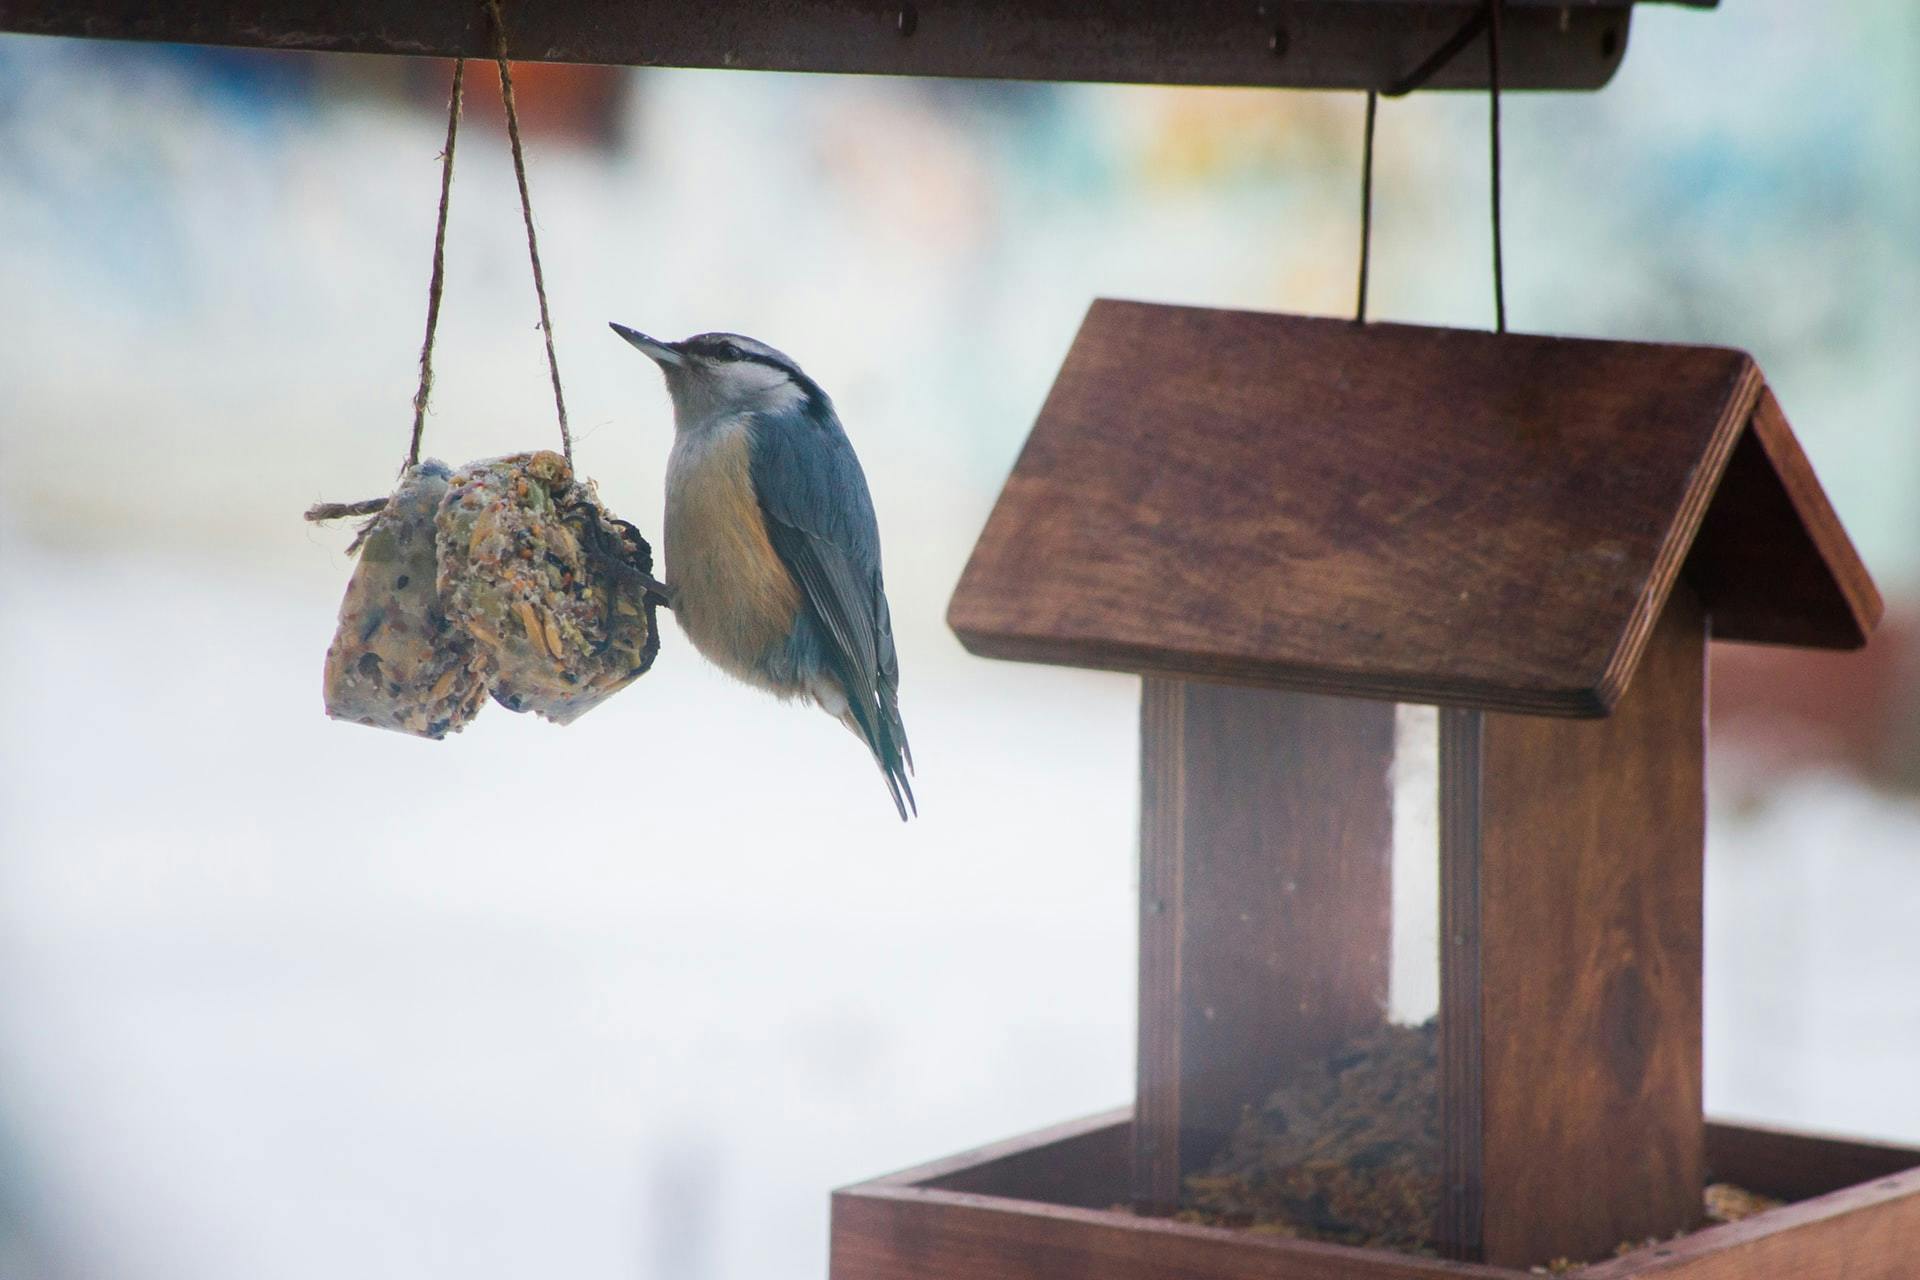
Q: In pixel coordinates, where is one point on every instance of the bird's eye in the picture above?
(730, 352)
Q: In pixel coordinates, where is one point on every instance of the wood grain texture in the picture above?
(1157, 1169)
(1352, 44)
(1588, 1010)
(1462, 1087)
(909, 1234)
(1772, 562)
(1799, 1166)
(1869, 1232)
(1387, 511)
(1266, 904)
(919, 1224)
(1083, 1164)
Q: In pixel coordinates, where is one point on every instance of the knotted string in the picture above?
(439, 265)
(526, 213)
(373, 506)
(423, 393)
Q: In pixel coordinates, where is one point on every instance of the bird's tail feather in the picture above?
(886, 738)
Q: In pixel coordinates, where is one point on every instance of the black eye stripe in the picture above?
(723, 350)
(731, 353)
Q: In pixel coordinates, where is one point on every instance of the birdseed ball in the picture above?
(546, 582)
(395, 663)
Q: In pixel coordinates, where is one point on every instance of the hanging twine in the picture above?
(526, 213)
(439, 265)
(321, 511)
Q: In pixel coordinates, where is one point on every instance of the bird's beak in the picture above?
(664, 354)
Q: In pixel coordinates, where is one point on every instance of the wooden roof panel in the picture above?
(1771, 562)
(1384, 510)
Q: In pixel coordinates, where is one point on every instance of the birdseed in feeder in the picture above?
(1728, 1203)
(548, 583)
(394, 662)
(1346, 1151)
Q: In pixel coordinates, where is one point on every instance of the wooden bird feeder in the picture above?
(1285, 525)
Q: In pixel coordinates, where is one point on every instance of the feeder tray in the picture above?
(1348, 1150)
(394, 662)
(552, 588)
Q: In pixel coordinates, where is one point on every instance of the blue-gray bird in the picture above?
(772, 550)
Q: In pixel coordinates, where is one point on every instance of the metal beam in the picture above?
(1318, 44)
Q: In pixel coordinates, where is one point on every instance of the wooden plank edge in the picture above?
(1082, 1227)
(1103, 655)
(988, 1153)
(1774, 1229)
(1817, 516)
(1720, 1132)
(1460, 1224)
(1163, 825)
(1758, 1246)
(1793, 1165)
(1743, 396)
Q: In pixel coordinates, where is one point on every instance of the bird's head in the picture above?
(712, 376)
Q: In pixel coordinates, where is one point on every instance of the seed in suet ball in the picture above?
(548, 582)
(395, 663)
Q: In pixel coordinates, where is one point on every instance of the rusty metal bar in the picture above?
(1320, 44)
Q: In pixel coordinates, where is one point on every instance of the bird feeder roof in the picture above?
(1390, 511)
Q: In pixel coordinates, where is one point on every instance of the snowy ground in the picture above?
(285, 997)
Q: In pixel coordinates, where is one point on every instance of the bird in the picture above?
(771, 545)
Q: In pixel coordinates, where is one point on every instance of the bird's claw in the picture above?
(658, 591)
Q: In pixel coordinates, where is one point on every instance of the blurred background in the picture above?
(284, 997)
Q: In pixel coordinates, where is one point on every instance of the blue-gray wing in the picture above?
(820, 519)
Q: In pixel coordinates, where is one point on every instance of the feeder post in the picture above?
(1265, 904)
(1570, 1007)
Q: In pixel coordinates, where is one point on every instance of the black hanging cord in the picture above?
(1493, 98)
(1447, 52)
(1366, 208)
(1487, 19)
